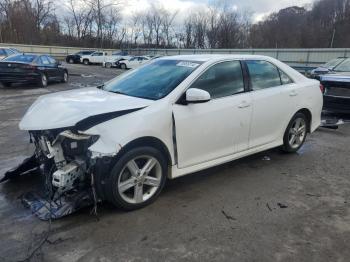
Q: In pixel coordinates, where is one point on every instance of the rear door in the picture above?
(219, 127)
(274, 102)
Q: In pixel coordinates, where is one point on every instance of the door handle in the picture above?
(293, 93)
(244, 104)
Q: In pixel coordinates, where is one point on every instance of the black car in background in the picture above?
(336, 95)
(31, 69)
(75, 58)
(327, 68)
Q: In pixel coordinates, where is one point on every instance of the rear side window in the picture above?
(285, 79)
(263, 74)
(51, 60)
(220, 80)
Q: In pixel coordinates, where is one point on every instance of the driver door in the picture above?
(217, 128)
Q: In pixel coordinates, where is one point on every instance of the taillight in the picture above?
(322, 88)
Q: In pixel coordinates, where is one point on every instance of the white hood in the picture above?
(65, 109)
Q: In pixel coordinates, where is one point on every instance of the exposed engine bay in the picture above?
(62, 158)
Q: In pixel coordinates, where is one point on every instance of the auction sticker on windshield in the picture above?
(187, 64)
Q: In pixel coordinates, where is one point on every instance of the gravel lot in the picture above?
(267, 207)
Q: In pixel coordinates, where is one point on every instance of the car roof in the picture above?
(214, 57)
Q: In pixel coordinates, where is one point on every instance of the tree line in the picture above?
(100, 24)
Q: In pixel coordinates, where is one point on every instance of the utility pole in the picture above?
(333, 35)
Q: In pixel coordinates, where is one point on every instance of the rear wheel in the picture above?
(71, 61)
(123, 66)
(86, 62)
(137, 178)
(43, 80)
(295, 134)
(108, 65)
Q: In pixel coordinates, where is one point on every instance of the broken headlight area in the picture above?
(63, 159)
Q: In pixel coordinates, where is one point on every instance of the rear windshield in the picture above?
(21, 58)
(344, 66)
(152, 81)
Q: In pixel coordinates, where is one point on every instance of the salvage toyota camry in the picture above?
(119, 142)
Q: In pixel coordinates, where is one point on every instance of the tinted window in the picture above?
(44, 60)
(21, 58)
(2, 52)
(9, 52)
(285, 79)
(51, 60)
(223, 79)
(263, 74)
(153, 81)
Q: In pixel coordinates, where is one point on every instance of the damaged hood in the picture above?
(67, 108)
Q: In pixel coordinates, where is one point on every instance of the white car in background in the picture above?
(111, 60)
(133, 62)
(171, 117)
(94, 58)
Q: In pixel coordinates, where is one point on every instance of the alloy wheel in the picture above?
(71, 61)
(43, 80)
(139, 179)
(297, 133)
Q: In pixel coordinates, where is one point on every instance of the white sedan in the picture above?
(171, 117)
(133, 62)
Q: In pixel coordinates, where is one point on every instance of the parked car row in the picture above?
(118, 59)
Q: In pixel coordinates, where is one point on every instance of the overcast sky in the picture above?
(259, 8)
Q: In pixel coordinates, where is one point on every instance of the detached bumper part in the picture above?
(65, 205)
(29, 165)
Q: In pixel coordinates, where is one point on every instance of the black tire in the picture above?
(123, 66)
(288, 144)
(43, 81)
(108, 65)
(70, 61)
(112, 185)
(65, 77)
(86, 62)
(6, 84)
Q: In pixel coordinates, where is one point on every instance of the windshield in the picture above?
(344, 66)
(153, 81)
(334, 62)
(20, 58)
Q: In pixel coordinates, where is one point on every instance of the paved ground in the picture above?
(267, 207)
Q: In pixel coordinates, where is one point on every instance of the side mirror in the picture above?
(195, 95)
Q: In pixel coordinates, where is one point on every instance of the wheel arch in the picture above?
(308, 115)
(148, 141)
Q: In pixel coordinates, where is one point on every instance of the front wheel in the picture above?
(71, 61)
(86, 62)
(137, 178)
(123, 66)
(295, 134)
(108, 65)
(65, 77)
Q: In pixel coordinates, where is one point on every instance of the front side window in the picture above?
(44, 60)
(51, 60)
(153, 81)
(263, 74)
(220, 80)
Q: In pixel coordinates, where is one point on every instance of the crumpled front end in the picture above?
(63, 159)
